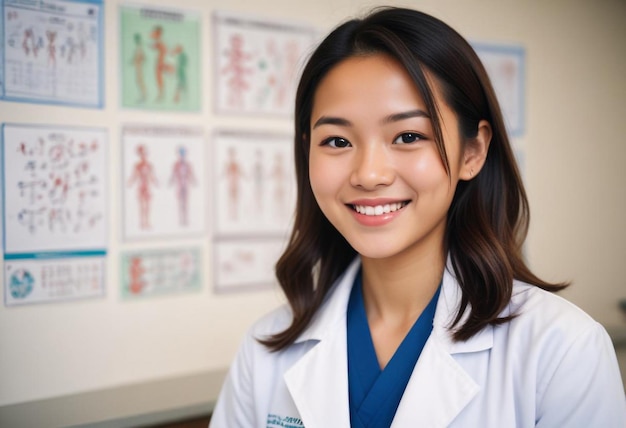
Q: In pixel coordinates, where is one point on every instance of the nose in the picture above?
(372, 167)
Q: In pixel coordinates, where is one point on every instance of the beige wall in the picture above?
(574, 150)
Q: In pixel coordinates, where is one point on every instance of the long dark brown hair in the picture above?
(488, 219)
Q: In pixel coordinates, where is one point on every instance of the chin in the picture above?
(373, 251)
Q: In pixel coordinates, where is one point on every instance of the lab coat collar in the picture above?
(333, 311)
(318, 382)
(447, 307)
(439, 387)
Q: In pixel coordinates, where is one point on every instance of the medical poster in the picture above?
(32, 280)
(254, 194)
(54, 189)
(52, 52)
(163, 181)
(54, 212)
(505, 66)
(257, 63)
(160, 58)
(156, 272)
(253, 184)
(240, 264)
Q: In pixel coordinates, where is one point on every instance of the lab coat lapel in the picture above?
(439, 388)
(318, 382)
(437, 391)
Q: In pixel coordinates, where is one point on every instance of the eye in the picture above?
(336, 142)
(407, 138)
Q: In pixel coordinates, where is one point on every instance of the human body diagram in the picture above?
(182, 179)
(138, 62)
(160, 51)
(164, 181)
(257, 63)
(161, 65)
(253, 184)
(144, 178)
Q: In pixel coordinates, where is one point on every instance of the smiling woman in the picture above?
(388, 157)
(373, 148)
(409, 302)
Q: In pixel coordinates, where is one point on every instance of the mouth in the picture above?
(374, 210)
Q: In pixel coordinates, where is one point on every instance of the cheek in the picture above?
(425, 172)
(321, 177)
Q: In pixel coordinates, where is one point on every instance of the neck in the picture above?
(398, 289)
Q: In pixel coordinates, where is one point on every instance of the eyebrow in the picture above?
(396, 117)
(329, 120)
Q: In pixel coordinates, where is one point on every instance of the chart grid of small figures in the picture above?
(53, 54)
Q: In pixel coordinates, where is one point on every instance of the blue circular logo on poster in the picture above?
(21, 284)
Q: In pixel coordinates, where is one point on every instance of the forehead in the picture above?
(367, 73)
(367, 65)
(369, 83)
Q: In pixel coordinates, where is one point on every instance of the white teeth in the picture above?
(378, 209)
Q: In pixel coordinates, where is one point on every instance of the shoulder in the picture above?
(571, 357)
(547, 311)
(271, 323)
(548, 321)
(260, 357)
(250, 349)
(555, 335)
(551, 333)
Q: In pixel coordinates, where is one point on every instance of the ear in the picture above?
(475, 152)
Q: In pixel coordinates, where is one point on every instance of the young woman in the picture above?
(410, 304)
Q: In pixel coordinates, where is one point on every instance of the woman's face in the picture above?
(374, 166)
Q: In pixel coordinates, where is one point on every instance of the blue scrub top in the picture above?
(374, 393)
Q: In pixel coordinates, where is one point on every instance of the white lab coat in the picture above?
(551, 366)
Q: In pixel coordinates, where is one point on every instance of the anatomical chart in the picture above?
(157, 272)
(55, 214)
(257, 63)
(243, 264)
(253, 198)
(163, 180)
(160, 58)
(52, 52)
